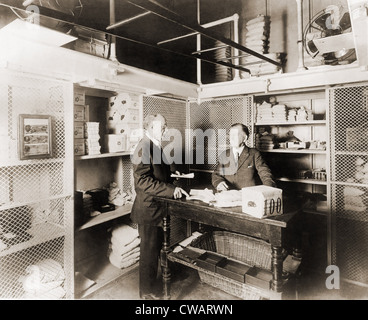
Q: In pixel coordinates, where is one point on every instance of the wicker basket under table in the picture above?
(251, 251)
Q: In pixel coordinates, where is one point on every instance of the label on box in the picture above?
(79, 113)
(79, 149)
(262, 201)
(79, 97)
(115, 142)
(78, 130)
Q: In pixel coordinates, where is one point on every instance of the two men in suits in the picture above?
(240, 166)
(151, 178)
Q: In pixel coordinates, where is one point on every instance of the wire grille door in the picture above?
(36, 204)
(214, 118)
(349, 177)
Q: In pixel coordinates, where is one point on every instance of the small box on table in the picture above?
(262, 201)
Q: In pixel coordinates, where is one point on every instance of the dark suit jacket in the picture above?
(251, 166)
(151, 177)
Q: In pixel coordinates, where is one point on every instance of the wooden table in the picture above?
(233, 219)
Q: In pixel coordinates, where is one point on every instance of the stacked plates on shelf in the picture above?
(222, 73)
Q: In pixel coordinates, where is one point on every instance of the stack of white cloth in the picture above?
(291, 117)
(43, 281)
(279, 113)
(266, 141)
(259, 67)
(264, 113)
(258, 32)
(91, 133)
(124, 246)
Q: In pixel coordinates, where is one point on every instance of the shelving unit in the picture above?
(107, 216)
(103, 155)
(292, 168)
(97, 171)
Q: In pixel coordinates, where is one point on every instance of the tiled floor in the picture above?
(186, 285)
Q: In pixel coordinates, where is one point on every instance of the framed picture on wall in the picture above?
(35, 136)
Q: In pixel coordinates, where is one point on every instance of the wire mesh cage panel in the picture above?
(349, 177)
(209, 124)
(36, 204)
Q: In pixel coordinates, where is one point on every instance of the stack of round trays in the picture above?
(223, 73)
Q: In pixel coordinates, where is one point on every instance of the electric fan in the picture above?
(329, 34)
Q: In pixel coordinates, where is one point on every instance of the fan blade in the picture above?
(345, 22)
(312, 47)
(321, 21)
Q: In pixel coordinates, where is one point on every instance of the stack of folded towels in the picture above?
(279, 112)
(264, 113)
(259, 67)
(258, 32)
(44, 280)
(266, 141)
(91, 133)
(124, 246)
(257, 39)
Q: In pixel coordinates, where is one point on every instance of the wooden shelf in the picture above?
(101, 271)
(312, 122)
(351, 153)
(107, 216)
(40, 233)
(300, 151)
(312, 211)
(305, 181)
(104, 155)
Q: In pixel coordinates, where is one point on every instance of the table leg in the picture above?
(277, 262)
(166, 274)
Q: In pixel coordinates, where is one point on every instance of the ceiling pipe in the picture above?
(199, 45)
(122, 22)
(113, 38)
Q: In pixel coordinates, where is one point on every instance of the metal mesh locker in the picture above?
(218, 115)
(349, 180)
(36, 205)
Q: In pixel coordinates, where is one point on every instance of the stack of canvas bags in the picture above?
(124, 246)
(257, 38)
(259, 67)
(258, 32)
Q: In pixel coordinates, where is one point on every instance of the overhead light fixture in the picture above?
(37, 33)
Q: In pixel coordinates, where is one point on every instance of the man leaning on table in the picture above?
(240, 166)
(151, 178)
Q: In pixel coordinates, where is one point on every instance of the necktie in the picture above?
(236, 158)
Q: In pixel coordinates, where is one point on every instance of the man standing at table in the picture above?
(239, 165)
(151, 178)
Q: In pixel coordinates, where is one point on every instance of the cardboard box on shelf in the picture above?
(79, 97)
(115, 142)
(78, 130)
(79, 147)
